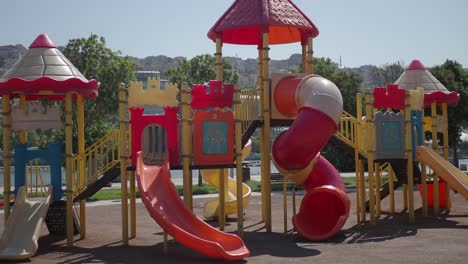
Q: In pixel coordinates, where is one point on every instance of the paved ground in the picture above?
(441, 239)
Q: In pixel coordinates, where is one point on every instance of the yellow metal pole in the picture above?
(362, 188)
(285, 204)
(262, 132)
(24, 133)
(81, 164)
(356, 165)
(391, 187)
(238, 143)
(310, 55)
(186, 145)
(165, 244)
(132, 205)
(378, 173)
(409, 157)
(6, 112)
(123, 159)
(304, 57)
(69, 172)
(222, 199)
(219, 59)
(435, 145)
(266, 131)
(370, 153)
(448, 202)
(222, 173)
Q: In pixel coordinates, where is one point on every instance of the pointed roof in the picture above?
(245, 20)
(45, 68)
(417, 75)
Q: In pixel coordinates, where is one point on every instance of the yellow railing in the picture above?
(250, 107)
(96, 160)
(35, 185)
(351, 131)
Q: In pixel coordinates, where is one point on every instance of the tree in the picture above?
(455, 78)
(95, 61)
(201, 69)
(386, 74)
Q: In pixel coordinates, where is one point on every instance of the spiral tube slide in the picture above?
(317, 104)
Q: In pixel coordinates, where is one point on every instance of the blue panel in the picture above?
(391, 139)
(53, 155)
(416, 126)
(215, 135)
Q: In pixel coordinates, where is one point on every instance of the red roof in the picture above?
(416, 65)
(44, 68)
(246, 20)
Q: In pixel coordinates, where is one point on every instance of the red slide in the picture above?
(317, 105)
(165, 206)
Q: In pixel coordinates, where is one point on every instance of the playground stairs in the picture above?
(98, 184)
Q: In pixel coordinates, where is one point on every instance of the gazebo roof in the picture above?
(245, 20)
(416, 75)
(44, 72)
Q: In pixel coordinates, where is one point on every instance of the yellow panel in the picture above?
(417, 99)
(153, 95)
(427, 123)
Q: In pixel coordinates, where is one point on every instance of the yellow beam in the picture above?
(132, 205)
(304, 57)
(266, 131)
(219, 59)
(409, 157)
(123, 159)
(186, 145)
(6, 109)
(310, 56)
(435, 144)
(370, 153)
(24, 133)
(69, 172)
(391, 186)
(423, 176)
(82, 162)
(378, 173)
(238, 144)
(262, 133)
(448, 202)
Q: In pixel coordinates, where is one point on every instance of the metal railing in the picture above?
(250, 107)
(35, 185)
(95, 160)
(352, 132)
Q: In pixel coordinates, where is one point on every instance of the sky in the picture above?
(360, 32)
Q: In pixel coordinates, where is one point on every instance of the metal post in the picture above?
(69, 172)
(448, 202)
(186, 145)
(435, 145)
(266, 131)
(81, 164)
(6, 109)
(123, 159)
(409, 157)
(238, 143)
(370, 153)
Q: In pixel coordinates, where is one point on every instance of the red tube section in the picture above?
(318, 102)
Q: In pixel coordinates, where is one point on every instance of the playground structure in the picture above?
(215, 123)
(396, 140)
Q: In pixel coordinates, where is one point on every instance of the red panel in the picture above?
(451, 98)
(201, 158)
(218, 95)
(168, 121)
(392, 97)
(18, 85)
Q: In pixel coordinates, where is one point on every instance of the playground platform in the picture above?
(392, 240)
